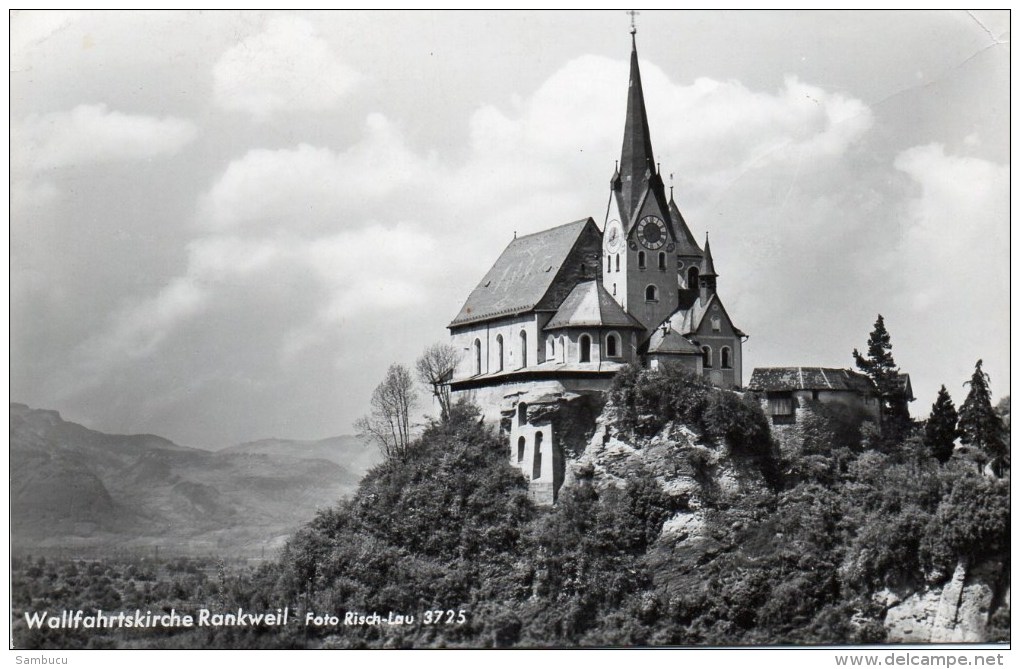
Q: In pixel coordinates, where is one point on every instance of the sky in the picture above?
(225, 226)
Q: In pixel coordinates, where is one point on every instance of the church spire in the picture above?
(637, 164)
(707, 266)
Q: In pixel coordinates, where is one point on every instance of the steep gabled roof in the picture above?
(671, 341)
(590, 305)
(808, 378)
(522, 274)
(687, 319)
(685, 243)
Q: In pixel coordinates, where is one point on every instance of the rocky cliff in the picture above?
(957, 611)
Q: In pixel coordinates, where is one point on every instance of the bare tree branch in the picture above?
(388, 423)
(435, 369)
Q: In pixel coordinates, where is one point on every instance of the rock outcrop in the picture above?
(956, 611)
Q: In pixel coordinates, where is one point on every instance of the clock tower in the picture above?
(640, 239)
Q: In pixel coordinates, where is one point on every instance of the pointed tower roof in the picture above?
(707, 266)
(637, 164)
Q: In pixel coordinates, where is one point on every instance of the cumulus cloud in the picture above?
(954, 260)
(324, 248)
(710, 131)
(92, 134)
(286, 67)
(370, 229)
(955, 224)
(309, 187)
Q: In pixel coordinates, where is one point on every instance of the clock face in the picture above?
(652, 232)
(614, 236)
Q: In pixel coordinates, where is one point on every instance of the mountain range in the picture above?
(80, 491)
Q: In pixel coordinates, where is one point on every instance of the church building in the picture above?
(562, 310)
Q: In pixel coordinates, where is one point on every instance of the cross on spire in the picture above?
(633, 26)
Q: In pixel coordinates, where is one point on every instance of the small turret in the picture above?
(707, 274)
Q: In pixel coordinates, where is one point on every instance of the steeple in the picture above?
(708, 275)
(707, 266)
(637, 164)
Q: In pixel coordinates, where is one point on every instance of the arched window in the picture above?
(617, 262)
(584, 344)
(724, 357)
(499, 353)
(716, 324)
(706, 357)
(524, 348)
(611, 346)
(662, 260)
(552, 347)
(520, 450)
(563, 349)
(477, 346)
(651, 294)
(536, 466)
(609, 263)
(692, 278)
(522, 414)
(641, 259)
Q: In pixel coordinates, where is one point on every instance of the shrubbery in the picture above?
(449, 526)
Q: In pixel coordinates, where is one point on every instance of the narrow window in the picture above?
(552, 347)
(520, 450)
(706, 357)
(662, 261)
(614, 289)
(617, 262)
(585, 345)
(524, 348)
(563, 349)
(522, 414)
(499, 353)
(651, 294)
(609, 263)
(692, 278)
(611, 346)
(641, 259)
(478, 356)
(536, 467)
(724, 355)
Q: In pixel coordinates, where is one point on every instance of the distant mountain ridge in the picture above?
(72, 487)
(347, 450)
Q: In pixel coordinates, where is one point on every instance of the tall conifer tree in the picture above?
(882, 370)
(979, 425)
(940, 431)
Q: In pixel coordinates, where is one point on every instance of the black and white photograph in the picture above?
(635, 328)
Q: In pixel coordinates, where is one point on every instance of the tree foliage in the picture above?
(880, 367)
(979, 425)
(940, 431)
(388, 425)
(617, 561)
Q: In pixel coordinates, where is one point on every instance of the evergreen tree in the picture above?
(880, 367)
(979, 425)
(940, 431)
